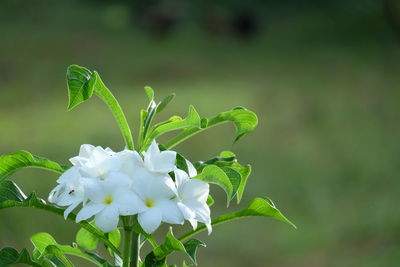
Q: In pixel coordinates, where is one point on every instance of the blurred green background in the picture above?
(323, 77)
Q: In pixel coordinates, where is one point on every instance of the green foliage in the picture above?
(173, 124)
(215, 175)
(12, 196)
(10, 163)
(87, 240)
(263, 207)
(47, 246)
(10, 256)
(244, 120)
(224, 171)
(228, 162)
(191, 247)
(171, 244)
(82, 83)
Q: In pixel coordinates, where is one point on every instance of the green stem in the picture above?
(105, 94)
(127, 241)
(135, 249)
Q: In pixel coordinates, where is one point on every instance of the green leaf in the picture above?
(170, 244)
(149, 92)
(12, 196)
(192, 120)
(181, 163)
(228, 159)
(234, 176)
(10, 163)
(54, 250)
(215, 175)
(46, 245)
(210, 201)
(115, 237)
(152, 261)
(87, 240)
(258, 207)
(244, 120)
(82, 83)
(161, 106)
(10, 256)
(191, 247)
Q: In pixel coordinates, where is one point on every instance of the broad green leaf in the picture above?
(12, 196)
(228, 159)
(234, 176)
(192, 120)
(170, 244)
(10, 163)
(82, 83)
(161, 106)
(244, 120)
(258, 207)
(185, 265)
(215, 175)
(10, 257)
(191, 247)
(87, 240)
(46, 244)
(152, 261)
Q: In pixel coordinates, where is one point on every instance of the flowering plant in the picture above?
(138, 188)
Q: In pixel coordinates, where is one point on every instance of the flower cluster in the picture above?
(111, 184)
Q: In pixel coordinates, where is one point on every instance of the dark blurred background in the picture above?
(323, 77)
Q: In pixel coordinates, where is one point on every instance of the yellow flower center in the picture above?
(149, 203)
(108, 200)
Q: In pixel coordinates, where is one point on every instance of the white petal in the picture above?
(192, 170)
(69, 209)
(150, 220)
(154, 187)
(89, 210)
(170, 212)
(129, 203)
(193, 222)
(86, 150)
(94, 190)
(186, 211)
(180, 178)
(209, 228)
(195, 189)
(107, 219)
(130, 161)
(164, 162)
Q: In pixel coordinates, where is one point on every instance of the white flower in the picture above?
(108, 200)
(69, 191)
(156, 192)
(96, 162)
(192, 198)
(159, 161)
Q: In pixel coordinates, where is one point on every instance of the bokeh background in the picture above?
(323, 77)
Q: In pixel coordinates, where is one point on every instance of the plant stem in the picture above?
(127, 241)
(135, 249)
